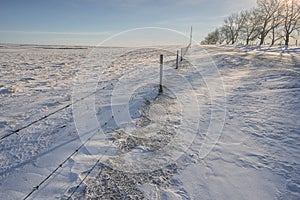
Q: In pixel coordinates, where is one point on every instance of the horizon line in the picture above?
(56, 32)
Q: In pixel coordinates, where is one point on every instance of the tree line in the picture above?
(270, 20)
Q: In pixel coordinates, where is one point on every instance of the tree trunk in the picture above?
(247, 41)
(232, 40)
(273, 41)
(287, 40)
(262, 39)
(273, 37)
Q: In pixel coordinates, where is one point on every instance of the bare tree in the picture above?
(274, 19)
(276, 22)
(291, 18)
(232, 26)
(212, 38)
(250, 26)
(276, 35)
(266, 11)
(223, 36)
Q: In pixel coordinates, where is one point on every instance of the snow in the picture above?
(226, 126)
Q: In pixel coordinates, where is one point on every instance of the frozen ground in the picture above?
(253, 97)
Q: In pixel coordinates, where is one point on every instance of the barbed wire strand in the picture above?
(88, 173)
(71, 155)
(59, 166)
(48, 115)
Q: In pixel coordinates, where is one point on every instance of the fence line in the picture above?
(64, 161)
(89, 172)
(53, 172)
(48, 115)
(98, 161)
(58, 167)
(73, 153)
(33, 122)
(183, 53)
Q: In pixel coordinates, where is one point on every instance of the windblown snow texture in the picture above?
(256, 157)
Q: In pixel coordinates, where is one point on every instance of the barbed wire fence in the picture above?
(76, 151)
(179, 59)
(184, 50)
(45, 116)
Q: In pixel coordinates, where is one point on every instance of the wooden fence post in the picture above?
(177, 61)
(161, 74)
(181, 58)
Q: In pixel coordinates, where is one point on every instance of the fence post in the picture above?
(177, 61)
(191, 35)
(161, 74)
(181, 54)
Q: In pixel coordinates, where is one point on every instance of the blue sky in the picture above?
(88, 22)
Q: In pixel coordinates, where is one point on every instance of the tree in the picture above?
(266, 11)
(223, 36)
(291, 18)
(276, 30)
(232, 26)
(212, 38)
(250, 27)
(273, 19)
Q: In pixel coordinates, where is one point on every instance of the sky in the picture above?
(90, 22)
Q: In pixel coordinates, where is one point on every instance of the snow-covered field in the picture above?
(88, 123)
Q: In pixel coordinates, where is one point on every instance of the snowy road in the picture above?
(256, 156)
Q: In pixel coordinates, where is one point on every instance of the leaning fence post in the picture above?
(161, 74)
(177, 57)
